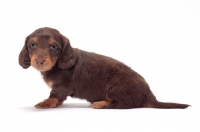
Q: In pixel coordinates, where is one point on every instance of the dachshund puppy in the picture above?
(101, 80)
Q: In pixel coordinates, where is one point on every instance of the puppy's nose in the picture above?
(39, 62)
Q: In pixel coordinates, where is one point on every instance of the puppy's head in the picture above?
(45, 48)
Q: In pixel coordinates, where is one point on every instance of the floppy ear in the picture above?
(67, 58)
(24, 59)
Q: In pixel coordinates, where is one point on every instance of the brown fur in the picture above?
(101, 80)
(102, 104)
(50, 83)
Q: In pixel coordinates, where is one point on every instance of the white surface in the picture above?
(158, 39)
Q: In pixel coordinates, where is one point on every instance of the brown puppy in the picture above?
(101, 80)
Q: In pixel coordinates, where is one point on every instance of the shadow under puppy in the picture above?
(101, 80)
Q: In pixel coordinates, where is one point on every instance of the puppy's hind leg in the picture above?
(112, 104)
(102, 104)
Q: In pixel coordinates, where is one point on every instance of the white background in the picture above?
(160, 39)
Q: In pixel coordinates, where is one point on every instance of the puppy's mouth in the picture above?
(42, 65)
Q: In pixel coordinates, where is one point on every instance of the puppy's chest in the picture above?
(54, 81)
(49, 82)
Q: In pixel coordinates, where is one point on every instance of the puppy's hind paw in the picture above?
(100, 104)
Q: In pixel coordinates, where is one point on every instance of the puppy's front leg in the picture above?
(55, 99)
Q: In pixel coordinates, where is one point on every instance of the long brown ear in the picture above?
(24, 59)
(68, 55)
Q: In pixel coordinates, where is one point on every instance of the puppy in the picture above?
(101, 80)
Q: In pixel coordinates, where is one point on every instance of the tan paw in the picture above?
(100, 104)
(47, 103)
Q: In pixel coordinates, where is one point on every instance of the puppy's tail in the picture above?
(152, 102)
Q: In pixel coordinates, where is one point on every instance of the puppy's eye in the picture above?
(33, 46)
(53, 47)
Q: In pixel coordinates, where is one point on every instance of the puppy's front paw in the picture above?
(47, 103)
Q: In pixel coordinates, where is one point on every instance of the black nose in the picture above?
(39, 62)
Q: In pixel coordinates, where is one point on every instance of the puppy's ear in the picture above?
(67, 58)
(24, 59)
